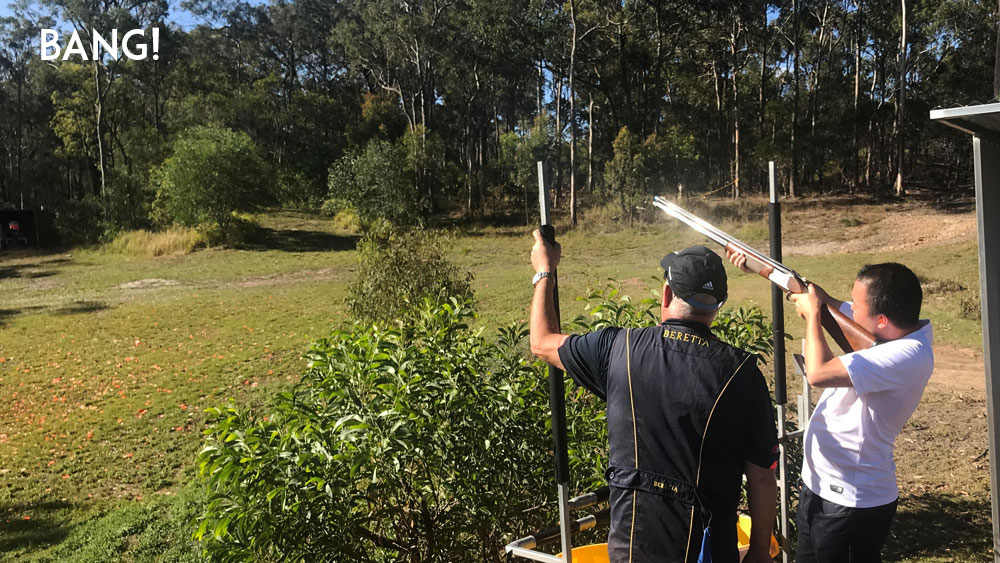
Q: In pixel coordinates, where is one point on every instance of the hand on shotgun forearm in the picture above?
(807, 305)
(738, 259)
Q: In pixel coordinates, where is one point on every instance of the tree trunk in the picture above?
(996, 63)
(468, 170)
(541, 86)
(572, 118)
(590, 146)
(793, 179)
(557, 184)
(736, 111)
(761, 100)
(99, 106)
(901, 106)
(857, 90)
(20, 139)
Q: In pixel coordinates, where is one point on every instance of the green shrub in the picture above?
(427, 442)
(423, 443)
(397, 270)
(374, 182)
(744, 328)
(212, 174)
(242, 228)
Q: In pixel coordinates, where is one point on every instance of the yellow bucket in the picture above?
(598, 552)
(595, 553)
(743, 538)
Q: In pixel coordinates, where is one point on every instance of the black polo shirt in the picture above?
(685, 412)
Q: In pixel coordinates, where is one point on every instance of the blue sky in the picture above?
(178, 16)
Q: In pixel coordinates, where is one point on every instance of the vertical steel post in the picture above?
(778, 324)
(777, 297)
(987, 172)
(557, 390)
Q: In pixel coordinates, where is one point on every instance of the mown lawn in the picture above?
(107, 361)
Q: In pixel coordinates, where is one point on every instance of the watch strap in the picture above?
(539, 276)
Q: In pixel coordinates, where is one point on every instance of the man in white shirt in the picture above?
(849, 491)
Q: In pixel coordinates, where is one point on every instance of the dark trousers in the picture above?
(831, 533)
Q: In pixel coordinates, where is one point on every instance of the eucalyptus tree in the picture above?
(88, 17)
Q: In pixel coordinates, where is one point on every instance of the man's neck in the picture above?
(893, 332)
(700, 320)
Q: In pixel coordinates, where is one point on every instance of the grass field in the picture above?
(107, 361)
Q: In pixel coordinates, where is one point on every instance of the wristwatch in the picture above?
(539, 276)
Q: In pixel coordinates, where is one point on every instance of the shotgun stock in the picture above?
(848, 335)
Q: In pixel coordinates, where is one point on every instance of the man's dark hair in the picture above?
(893, 290)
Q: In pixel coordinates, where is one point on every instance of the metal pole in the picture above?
(777, 298)
(557, 390)
(987, 172)
(778, 323)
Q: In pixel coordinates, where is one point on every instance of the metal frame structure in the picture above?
(983, 123)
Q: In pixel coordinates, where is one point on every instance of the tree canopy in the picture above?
(708, 93)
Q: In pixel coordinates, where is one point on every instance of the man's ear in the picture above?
(882, 321)
(668, 295)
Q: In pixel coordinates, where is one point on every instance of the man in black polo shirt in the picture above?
(688, 415)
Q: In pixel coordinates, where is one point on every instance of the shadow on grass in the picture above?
(7, 314)
(77, 307)
(292, 240)
(24, 271)
(32, 525)
(936, 525)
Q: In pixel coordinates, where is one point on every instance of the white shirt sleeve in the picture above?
(845, 308)
(884, 367)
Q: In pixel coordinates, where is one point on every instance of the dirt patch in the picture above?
(876, 229)
(958, 370)
(281, 279)
(944, 446)
(42, 284)
(149, 283)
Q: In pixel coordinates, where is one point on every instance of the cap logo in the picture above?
(708, 285)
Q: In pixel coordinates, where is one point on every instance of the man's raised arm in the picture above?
(545, 337)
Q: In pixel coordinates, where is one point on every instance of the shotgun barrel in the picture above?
(848, 335)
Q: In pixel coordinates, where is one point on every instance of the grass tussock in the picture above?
(175, 240)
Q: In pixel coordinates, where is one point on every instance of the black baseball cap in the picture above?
(693, 270)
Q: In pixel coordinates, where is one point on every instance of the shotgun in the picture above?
(849, 335)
